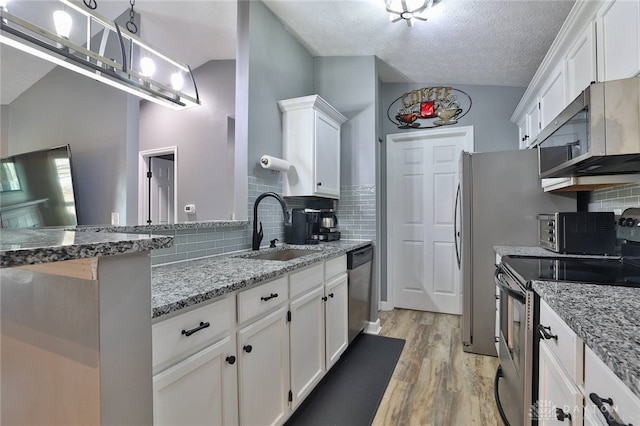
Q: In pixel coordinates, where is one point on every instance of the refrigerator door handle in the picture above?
(456, 231)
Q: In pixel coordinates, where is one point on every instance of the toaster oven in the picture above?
(578, 232)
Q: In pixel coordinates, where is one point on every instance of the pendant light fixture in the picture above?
(408, 10)
(138, 68)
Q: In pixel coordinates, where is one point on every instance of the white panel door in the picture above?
(422, 177)
(162, 190)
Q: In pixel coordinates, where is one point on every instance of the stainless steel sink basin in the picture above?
(282, 255)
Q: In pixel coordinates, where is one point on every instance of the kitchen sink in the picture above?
(282, 255)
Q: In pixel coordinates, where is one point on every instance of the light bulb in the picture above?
(177, 81)
(62, 20)
(147, 67)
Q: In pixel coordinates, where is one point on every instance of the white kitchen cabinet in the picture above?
(263, 370)
(581, 63)
(522, 132)
(533, 122)
(307, 343)
(559, 399)
(618, 400)
(311, 143)
(199, 390)
(336, 318)
(552, 96)
(618, 39)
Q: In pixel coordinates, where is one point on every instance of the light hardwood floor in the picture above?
(435, 382)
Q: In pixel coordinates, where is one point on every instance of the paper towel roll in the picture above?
(273, 163)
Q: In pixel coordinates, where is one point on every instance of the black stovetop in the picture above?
(580, 270)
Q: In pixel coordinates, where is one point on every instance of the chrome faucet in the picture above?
(257, 235)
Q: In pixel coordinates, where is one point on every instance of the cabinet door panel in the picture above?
(306, 333)
(618, 35)
(581, 63)
(552, 100)
(264, 370)
(200, 390)
(337, 321)
(533, 123)
(327, 161)
(556, 391)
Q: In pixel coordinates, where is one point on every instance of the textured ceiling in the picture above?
(483, 42)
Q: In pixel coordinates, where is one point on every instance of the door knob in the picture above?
(247, 348)
(231, 359)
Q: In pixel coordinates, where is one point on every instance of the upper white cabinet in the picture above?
(552, 100)
(533, 122)
(599, 41)
(581, 63)
(311, 143)
(618, 37)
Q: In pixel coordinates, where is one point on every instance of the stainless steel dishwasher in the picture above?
(359, 263)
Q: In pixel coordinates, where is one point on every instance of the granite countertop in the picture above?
(136, 229)
(606, 318)
(183, 284)
(536, 251)
(32, 246)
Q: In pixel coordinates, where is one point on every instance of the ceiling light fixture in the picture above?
(408, 10)
(88, 56)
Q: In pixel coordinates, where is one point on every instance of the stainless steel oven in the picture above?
(514, 382)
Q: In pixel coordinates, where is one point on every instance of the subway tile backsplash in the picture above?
(617, 197)
(195, 243)
(357, 212)
(356, 218)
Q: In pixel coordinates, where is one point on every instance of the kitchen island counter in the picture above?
(20, 247)
(180, 285)
(606, 318)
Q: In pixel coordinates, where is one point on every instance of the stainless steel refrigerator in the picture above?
(498, 199)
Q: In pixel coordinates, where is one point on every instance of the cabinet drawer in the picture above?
(599, 379)
(170, 343)
(566, 346)
(262, 298)
(335, 267)
(302, 281)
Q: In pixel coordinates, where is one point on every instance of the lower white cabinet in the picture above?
(263, 371)
(199, 390)
(336, 318)
(559, 399)
(606, 394)
(307, 343)
(251, 357)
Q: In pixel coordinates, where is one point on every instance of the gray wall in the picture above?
(205, 153)
(349, 84)
(279, 68)
(67, 108)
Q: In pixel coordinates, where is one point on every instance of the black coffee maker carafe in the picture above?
(301, 229)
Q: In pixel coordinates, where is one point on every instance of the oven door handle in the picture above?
(520, 297)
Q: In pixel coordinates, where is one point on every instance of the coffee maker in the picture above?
(302, 227)
(326, 226)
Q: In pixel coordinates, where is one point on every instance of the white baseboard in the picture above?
(385, 306)
(373, 327)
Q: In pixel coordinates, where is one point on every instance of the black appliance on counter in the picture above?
(302, 226)
(578, 232)
(518, 326)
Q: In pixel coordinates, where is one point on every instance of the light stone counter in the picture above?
(606, 318)
(183, 284)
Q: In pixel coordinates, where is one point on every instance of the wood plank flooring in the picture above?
(435, 382)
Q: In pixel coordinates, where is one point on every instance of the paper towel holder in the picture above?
(266, 163)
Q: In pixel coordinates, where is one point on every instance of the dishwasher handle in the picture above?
(359, 256)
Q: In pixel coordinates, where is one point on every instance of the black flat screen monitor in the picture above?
(37, 189)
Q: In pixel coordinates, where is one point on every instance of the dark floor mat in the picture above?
(351, 391)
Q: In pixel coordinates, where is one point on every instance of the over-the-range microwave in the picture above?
(596, 134)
